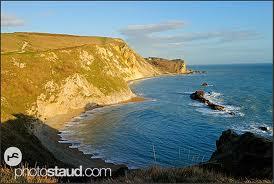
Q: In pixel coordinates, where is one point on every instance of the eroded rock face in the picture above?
(56, 81)
(168, 66)
(68, 72)
(247, 155)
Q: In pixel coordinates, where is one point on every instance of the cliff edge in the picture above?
(246, 155)
(45, 75)
(167, 66)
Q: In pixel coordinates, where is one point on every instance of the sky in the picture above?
(198, 32)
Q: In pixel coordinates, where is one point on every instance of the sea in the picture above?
(170, 129)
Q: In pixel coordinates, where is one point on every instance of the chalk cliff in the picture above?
(44, 75)
(168, 66)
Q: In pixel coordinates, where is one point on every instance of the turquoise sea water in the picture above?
(171, 126)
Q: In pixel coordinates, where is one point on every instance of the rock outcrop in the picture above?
(246, 155)
(263, 128)
(199, 96)
(204, 84)
(168, 66)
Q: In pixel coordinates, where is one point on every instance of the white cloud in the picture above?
(8, 20)
(147, 32)
(151, 28)
(153, 38)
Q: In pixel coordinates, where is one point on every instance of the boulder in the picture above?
(263, 128)
(199, 96)
(231, 113)
(246, 155)
(204, 84)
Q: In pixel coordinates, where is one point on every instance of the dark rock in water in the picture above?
(246, 155)
(263, 128)
(216, 107)
(198, 95)
(195, 72)
(204, 84)
(231, 113)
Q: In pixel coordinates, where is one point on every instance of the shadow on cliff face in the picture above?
(19, 133)
(247, 155)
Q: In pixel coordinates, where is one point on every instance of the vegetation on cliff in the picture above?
(48, 74)
(177, 66)
(44, 75)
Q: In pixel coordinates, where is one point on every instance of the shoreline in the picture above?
(62, 151)
(58, 122)
(50, 138)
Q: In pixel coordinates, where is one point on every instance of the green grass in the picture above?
(22, 86)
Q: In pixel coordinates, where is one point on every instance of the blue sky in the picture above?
(199, 32)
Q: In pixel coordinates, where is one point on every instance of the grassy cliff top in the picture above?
(24, 41)
(41, 71)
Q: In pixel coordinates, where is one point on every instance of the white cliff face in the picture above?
(75, 92)
(98, 75)
(86, 59)
(52, 82)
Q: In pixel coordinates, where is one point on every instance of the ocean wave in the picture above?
(152, 100)
(214, 94)
(182, 93)
(89, 150)
(186, 93)
(72, 123)
(118, 161)
(65, 132)
(197, 104)
(70, 142)
(77, 118)
(254, 128)
(74, 146)
(83, 115)
(215, 97)
(226, 113)
(208, 111)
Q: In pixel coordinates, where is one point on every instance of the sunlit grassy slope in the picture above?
(13, 42)
(44, 73)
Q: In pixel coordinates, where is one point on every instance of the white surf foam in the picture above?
(215, 97)
(196, 104)
(187, 93)
(208, 111)
(254, 128)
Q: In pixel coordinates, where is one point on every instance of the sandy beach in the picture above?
(48, 131)
(48, 135)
